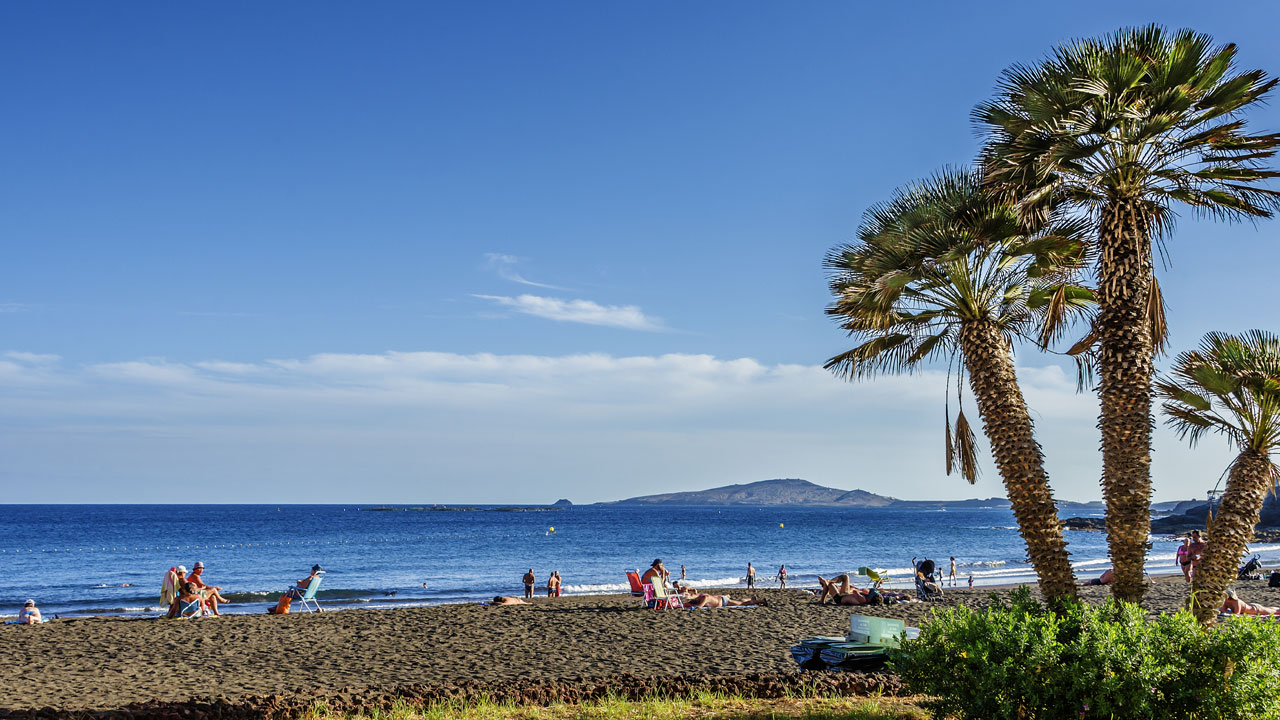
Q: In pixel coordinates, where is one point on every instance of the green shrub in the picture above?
(1024, 660)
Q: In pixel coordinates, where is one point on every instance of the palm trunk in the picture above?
(1231, 530)
(1017, 454)
(1125, 369)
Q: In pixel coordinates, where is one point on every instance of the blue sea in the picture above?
(77, 560)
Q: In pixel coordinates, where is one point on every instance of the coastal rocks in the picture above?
(371, 701)
(1085, 523)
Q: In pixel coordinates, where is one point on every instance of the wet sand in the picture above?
(107, 663)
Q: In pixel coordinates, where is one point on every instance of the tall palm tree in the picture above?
(1231, 385)
(944, 271)
(1123, 127)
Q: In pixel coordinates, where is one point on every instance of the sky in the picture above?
(510, 252)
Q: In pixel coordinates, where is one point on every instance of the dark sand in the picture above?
(106, 663)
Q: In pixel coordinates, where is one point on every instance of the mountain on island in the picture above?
(788, 491)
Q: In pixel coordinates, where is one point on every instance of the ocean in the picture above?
(77, 560)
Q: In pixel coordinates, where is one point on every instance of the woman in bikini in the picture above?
(1184, 558)
(1233, 604)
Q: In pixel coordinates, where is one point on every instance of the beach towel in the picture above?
(169, 589)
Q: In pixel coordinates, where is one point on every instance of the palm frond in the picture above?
(966, 449)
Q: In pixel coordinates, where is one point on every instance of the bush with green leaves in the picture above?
(1024, 660)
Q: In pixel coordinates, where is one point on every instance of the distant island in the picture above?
(796, 492)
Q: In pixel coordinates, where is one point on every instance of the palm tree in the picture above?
(1231, 385)
(1123, 127)
(944, 271)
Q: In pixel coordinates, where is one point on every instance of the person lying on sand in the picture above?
(30, 614)
(841, 590)
(501, 600)
(1104, 579)
(703, 600)
(1233, 604)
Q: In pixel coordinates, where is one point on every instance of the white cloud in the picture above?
(12, 307)
(579, 311)
(446, 427)
(505, 266)
(33, 358)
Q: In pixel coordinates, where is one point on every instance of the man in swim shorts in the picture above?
(529, 581)
(1233, 604)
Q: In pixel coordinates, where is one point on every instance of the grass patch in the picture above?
(705, 706)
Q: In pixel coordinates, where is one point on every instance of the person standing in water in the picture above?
(952, 574)
(782, 576)
(751, 576)
(529, 581)
(682, 572)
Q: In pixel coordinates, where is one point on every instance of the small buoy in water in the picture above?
(781, 525)
(551, 529)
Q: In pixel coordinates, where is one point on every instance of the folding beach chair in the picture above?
(665, 600)
(309, 595)
(193, 609)
(637, 590)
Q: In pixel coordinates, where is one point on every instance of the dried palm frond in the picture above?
(966, 449)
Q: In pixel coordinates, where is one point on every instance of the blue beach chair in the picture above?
(308, 597)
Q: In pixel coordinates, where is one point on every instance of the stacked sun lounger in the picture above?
(866, 647)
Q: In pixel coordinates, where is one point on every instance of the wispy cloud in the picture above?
(423, 424)
(505, 266)
(12, 307)
(586, 312)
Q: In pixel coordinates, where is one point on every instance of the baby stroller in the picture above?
(927, 587)
(1248, 570)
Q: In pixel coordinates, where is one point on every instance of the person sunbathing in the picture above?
(1105, 578)
(1233, 604)
(30, 614)
(188, 593)
(501, 600)
(703, 600)
(841, 590)
(210, 593)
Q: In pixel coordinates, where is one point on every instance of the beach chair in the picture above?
(308, 597)
(665, 600)
(194, 609)
(637, 590)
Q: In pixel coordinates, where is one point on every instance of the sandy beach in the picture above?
(109, 663)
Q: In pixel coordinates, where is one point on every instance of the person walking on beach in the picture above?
(529, 581)
(952, 574)
(1183, 558)
(751, 576)
(782, 576)
(1197, 548)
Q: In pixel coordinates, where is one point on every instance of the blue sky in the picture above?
(493, 252)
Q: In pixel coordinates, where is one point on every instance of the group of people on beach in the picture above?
(781, 577)
(1190, 553)
(530, 580)
(190, 590)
